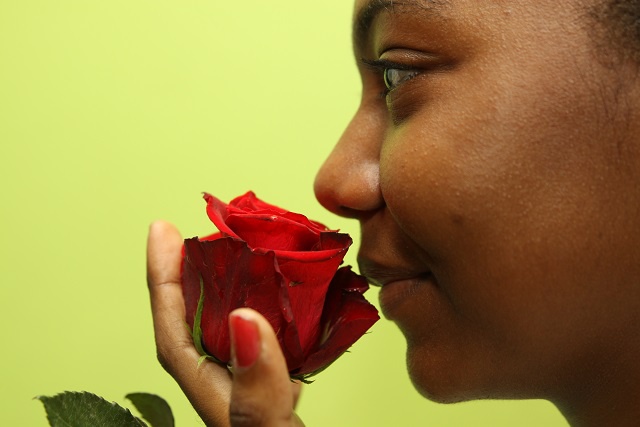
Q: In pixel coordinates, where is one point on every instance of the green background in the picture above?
(113, 114)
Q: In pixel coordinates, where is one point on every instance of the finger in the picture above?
(296, 388)
(164, 248)
(207, 386)
(262, 394)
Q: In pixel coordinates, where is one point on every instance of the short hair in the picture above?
(621, 21)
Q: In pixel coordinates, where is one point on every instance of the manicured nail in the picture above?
(245, 340)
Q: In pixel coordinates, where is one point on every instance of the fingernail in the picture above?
(245, 341)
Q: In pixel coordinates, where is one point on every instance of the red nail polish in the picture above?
(245, 339)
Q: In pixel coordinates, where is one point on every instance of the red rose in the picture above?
(284, 266)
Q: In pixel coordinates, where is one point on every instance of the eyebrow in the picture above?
(364, 19)
(366, 15)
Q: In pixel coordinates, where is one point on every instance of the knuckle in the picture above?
(245, 414)
(169, 356)
(163, 360)
(250, 413)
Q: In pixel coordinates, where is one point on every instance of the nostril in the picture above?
(348, 212)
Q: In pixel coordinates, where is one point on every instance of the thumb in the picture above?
(261, 394)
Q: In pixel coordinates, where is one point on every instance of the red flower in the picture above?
(284, 266)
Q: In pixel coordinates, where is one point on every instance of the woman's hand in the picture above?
(259, 393)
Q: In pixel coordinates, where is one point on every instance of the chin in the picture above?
(435, 390)
(444, 378)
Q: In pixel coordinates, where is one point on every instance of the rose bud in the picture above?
(283, 265)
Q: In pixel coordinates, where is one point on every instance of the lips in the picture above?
(394, 295)
(399, 284)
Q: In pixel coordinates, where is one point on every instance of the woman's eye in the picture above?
(395, 76)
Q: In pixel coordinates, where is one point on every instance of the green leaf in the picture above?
(197, 328)
(82, 409)
(196, 333)
(153, 408)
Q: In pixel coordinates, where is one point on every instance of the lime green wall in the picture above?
(116, 113)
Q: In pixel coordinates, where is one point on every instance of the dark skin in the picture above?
(497, 185)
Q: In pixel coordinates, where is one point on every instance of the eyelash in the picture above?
(382, 66)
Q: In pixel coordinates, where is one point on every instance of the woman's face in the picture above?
(497, 184)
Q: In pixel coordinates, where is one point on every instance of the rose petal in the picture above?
(273, 232)
(332, 240)
(249, 202)
(192, 277)
(296, 217)
(330, 245)
(217, 212)
(301, 219)
(347, 316)
(230, 220)
(234, 277)
(308, 284)
(309, 275)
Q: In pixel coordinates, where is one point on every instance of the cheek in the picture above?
(436, 179)
(501, 162)
(501, 190)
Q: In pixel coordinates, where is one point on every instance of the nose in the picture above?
(348, 183)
